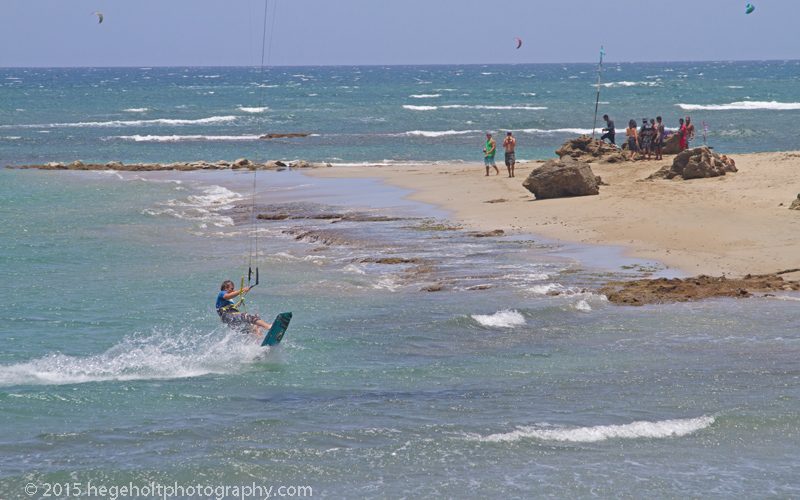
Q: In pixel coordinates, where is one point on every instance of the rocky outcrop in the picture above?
(562, 178)
(697, 163)
(795, 204)
(585, 148)
(672, 144)
(663, 290)
(241, 163)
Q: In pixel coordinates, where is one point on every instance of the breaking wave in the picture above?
(501, 319)
(741, 105)
(131, 123)
(634, 430)
(434, 133)
(253, 110)
(184, 138)
(579, 131)
(612, 85)
(472, 106)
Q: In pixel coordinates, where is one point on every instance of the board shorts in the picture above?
(489, 161)
(632, 145)
(237, 319)
(510, 159)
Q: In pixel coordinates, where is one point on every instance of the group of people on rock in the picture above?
(649, 139)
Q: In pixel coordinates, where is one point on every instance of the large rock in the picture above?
(242, 163)
(561, 178)
(672, 144)
(585, 148)
(697, 163)
(795, 204)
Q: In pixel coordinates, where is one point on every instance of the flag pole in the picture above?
(597, 100)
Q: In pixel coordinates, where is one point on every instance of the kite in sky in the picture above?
(99, 17)
(519, 42)
(749, 8)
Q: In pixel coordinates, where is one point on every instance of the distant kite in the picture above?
(99, 17)
(519, 42)
(749, 8)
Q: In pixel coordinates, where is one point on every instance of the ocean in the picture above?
(379, 114)
(423, 359)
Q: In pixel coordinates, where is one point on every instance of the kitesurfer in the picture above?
(489, 149)
(231, 316)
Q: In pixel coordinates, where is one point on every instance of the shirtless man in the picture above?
(510, 143)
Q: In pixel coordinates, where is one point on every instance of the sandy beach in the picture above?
(733, 225)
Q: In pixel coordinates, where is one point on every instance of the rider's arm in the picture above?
(230, 295)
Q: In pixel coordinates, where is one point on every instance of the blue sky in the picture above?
(344, 32)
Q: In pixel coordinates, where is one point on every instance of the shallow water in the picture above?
(115, 368)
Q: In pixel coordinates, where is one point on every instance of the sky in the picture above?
(45, 33)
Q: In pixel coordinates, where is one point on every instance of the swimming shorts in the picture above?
(489, 161)
(510, 159)
(238, 319)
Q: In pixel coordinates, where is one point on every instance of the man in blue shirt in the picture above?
(231, 316)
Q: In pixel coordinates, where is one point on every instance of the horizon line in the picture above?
(139, 66)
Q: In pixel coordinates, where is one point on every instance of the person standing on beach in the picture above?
(682, 136)
(633, 139)
(510, 144)
(489, 149)
(610, 131)
(689, 131)
(658, 143)
(646, 138)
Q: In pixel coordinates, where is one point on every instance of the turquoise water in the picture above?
(115, 369)
(376, 114)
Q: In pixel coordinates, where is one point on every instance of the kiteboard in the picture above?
(278, 328)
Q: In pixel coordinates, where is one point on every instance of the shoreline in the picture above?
(732, 225)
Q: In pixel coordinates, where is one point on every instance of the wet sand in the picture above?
(733, 225)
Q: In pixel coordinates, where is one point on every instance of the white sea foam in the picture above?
(419, 108)
(785, 297)
(579, 131)
(11, 138)
(472, 106)
(184, 138)
(425, 96)
(162, 355)
(630, 84)
(742, 105)
(253, 110)
(136, 110)
(735, 87)
(441, 133)
(634, 430)
(354, 269)
(203, 208)
(547, 288)
(501, 319)
(582, 305)
(132, 123)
